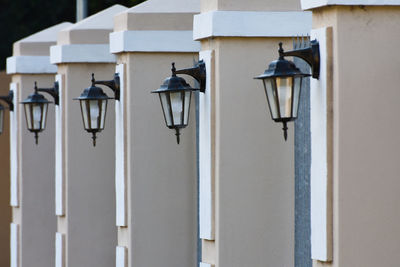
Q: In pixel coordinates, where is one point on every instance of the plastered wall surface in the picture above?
(254, 168)
(5, 209)
(38, 43)
(35, 214)
(156, 15)
(89, 223)
(162, 214)
(365, 143)
(91, 30)
(154, 21)
(249, 5)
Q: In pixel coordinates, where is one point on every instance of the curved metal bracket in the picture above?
(310, 54)
(9, 99)
(54, 92)
(198, 72)
(113, 84)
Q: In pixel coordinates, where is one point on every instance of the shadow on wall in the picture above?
(5, 210)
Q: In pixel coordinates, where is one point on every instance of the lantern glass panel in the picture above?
(44, 108)
(177, 107)
(166, 108)
(103, 113)
(285, 95)
(188, 95)
(28, 116)
(1, 120)
(272, 98)
(93, 114)
(35, 114)
(296, 95)
(85, 114)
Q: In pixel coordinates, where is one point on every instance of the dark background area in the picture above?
(21, 18)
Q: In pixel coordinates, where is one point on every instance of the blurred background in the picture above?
(21, 18)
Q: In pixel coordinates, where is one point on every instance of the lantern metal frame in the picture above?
(113, 84)
(176, 84)
(9, 100)
(96, 93)
(282, 68)
(306, 50)
(198, 72)
(54, 92)
(37, 98)
(1, 118)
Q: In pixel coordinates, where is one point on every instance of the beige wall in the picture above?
(249, 5)
(154, 21)
(254, 173)
(5, 209)
(89, 224)
(366, 147)
(36, 185)
(161, 174)
(32, 48)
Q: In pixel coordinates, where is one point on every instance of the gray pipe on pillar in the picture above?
(81, 9)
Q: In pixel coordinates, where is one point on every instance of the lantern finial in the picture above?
(36, 138)
(93, 80)
(173, 69)
(35, 88)
(285, 128)
(280, 51)
(177, 133)
(94, 138)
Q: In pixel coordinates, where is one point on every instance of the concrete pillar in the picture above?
(156, 178)
(85, 191)
(5, 209)
(32, 166)
(246, 167)
(355, 106)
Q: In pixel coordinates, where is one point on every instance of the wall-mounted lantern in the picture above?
(36, 106)
(93, 102)
(175, 96)
(9, 100)
(282, 81)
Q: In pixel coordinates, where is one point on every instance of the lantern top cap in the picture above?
(174, 83)
(93, 92)
(36, 98)
(282, 68)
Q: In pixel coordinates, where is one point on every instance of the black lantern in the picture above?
(93, 102)
(282, 82)
(9, 100)
(175, 96)
(36, 106)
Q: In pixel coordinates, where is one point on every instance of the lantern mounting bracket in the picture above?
(198, 72)
(113, 84)
(9, 99)
(308, 51)
(54, 92)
